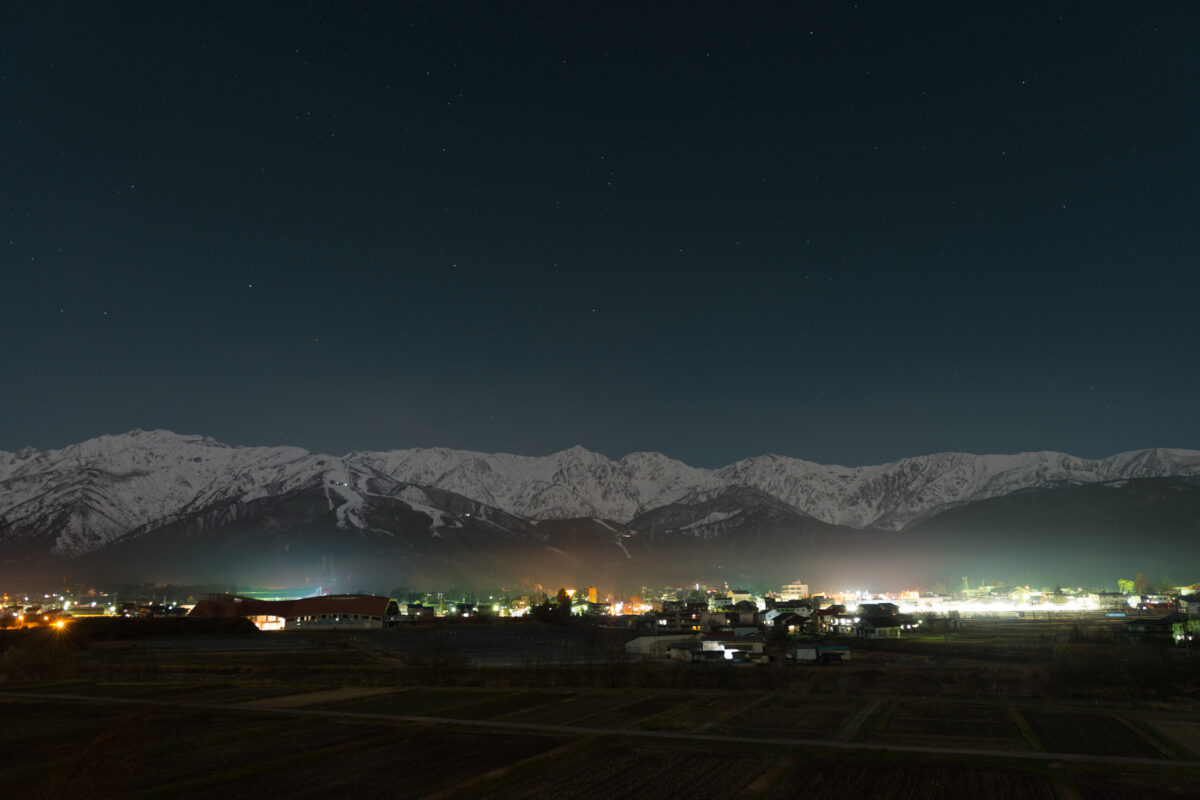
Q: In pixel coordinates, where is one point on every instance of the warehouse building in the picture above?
(325, 613)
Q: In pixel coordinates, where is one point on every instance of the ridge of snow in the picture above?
(95, 491)
(711, 518)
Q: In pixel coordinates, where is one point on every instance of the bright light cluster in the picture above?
(997, 606)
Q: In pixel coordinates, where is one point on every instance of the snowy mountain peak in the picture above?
(96, 491)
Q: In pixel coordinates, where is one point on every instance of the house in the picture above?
(746, 643)
(878, 610)
(804, 607)
(685, 616)
(1186, 631)
(1190, 604)
(158, 610)
(884, 627)
(1023, 595)
(743, 612)
(1154, 630)
(631, 622)
(1109, 601)
(791, 623)
(661, 646)
(591, 611)
(821, 652)
(719, 602)
(834, 619)
(747, 647)
(877, 627)
(420, 611)
(794, 591)
(679, 652)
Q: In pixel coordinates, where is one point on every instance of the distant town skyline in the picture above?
(847, 233)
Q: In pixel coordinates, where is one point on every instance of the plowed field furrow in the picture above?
(629, 772)
(415, 767)
(1094, 734)
(897, 781)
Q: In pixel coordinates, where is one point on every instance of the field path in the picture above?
(857, 720)
(581, 731)
(741, 710)
(323, 696)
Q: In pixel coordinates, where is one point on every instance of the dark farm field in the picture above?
(502, 706)
(704, 712)
(416, 702)
(1095, 734)
(624, 714)
(278, 744)
(337, 718)
(630, 771)
(804, 717)
(956, 725)
(570, 709)
(1121, 786)
(880, 780)
(185, 753)
(418, 763)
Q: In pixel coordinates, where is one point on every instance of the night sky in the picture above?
(845, 232)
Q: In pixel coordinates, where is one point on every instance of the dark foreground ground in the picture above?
(997, 711)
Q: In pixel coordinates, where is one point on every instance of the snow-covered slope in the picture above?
(94, 492)
(892, 495)
(579, 483)
(570, 484)
(90, 494)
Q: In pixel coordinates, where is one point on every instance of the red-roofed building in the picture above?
(327, 612)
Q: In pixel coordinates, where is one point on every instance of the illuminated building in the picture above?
(794, 591)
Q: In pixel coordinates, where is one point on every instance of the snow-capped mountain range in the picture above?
(91, 494)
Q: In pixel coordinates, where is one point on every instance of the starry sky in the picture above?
(846, 232)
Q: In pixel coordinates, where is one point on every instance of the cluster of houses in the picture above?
(1179, 626)
(810, 615)
(734, 626)
(801, 629)
(700, 624)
